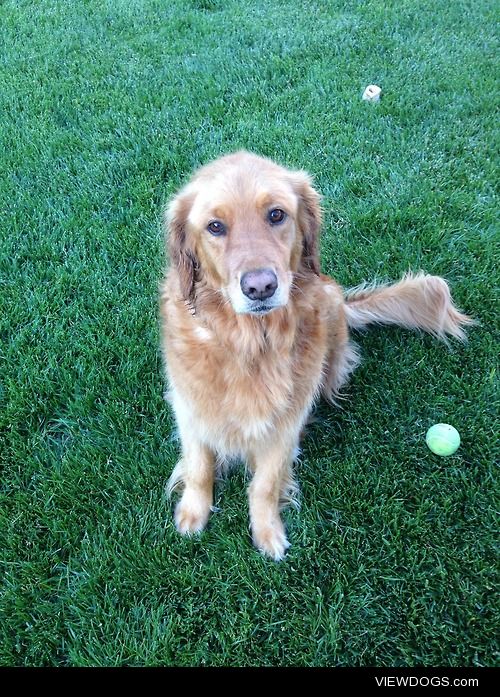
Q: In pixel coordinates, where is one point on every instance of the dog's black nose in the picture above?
(259, 285)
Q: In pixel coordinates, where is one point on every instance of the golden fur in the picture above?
(243, 373)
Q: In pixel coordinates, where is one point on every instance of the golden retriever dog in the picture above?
(253, 333)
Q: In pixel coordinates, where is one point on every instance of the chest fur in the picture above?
(237, 386)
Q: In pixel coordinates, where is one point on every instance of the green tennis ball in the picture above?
(443, 439)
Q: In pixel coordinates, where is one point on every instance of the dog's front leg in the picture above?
(272, 476)
(195, 471)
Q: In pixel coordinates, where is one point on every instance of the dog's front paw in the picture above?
(270, 539)
(191, 513)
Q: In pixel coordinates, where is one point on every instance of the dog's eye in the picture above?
(276, 216)
(216, 228)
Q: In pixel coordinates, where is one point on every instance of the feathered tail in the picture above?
(418, 301)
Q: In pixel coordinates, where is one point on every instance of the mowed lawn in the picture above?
(106, 107)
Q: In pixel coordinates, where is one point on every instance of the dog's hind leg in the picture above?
(342, 359)
(342, 355)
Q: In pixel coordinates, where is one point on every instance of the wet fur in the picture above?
(243, 386)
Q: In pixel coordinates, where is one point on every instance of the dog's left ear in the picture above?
(309, 218)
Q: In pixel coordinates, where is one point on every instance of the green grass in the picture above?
(106, 107)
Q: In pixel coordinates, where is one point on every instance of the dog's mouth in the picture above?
(261, 309)
(257, 307)
(257, 310)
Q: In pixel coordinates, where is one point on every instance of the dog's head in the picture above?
(245, 226)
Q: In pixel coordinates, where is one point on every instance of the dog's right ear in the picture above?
(182, 255)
